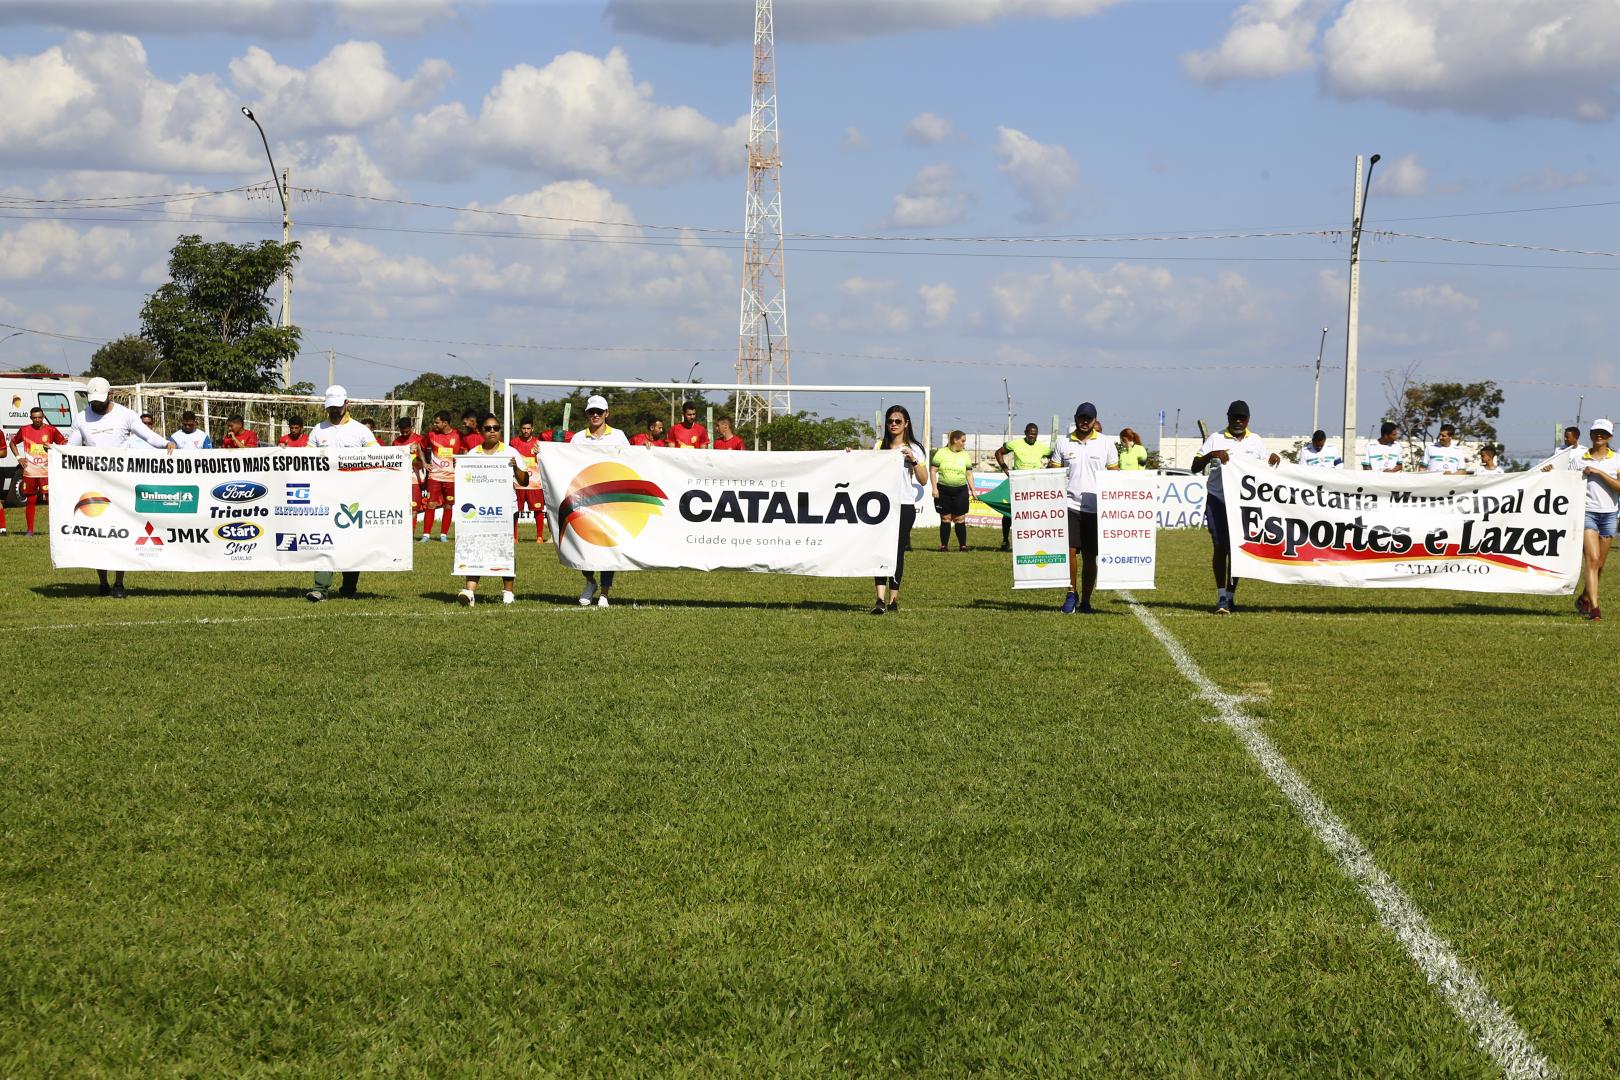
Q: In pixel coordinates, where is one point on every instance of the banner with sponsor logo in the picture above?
(1513, 533)
(1181, 501)
(485, 507)
(1040, 529)
(230, 510)
(1127, 529)
(820, 513)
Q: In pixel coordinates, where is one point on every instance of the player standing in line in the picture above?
(105, 423)
(689, 433)
(1444, 455)
(238, 436)
(339, 431)
(470, 436)
(1385, 454)
(596, 433)
(440, 446)
(491, 446)
(529, 495)
(33, 446)
(1317, 454)
(1086, 455)
(653, 436)
(724, 437)
(1028, 453)
(1217, 450)
(409, 438)
(296, 438)
(190, 436)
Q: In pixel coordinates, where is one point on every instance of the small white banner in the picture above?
(821, 513)
(230, 509)
(1512, 533)
(1127, 529)
(1040, 528)
(1181, 501)
(486, 506)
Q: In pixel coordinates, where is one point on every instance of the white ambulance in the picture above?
(61, 396)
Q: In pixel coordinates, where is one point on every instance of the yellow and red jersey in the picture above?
(527, 450)
(33, 447)
(441, 451)
(414, 441)
(295, 441)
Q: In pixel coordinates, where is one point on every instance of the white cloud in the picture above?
(1548, 178)
(1044, 174)
(930, 201)
(598, 122)
(938, 301)
(349, 89)
(259, 18)
(926, 129)
(854, 140)
(1402, 178)
(40, 251)
(1128, 301)
(1442, 297)
(859, 286)
(715, 21)
(1268, 38)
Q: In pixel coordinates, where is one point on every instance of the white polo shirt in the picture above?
(345, 436)
(611, 436)
(1085, 461)
(1600, 497)
(1443, 459)
(1325, 458)
(1250, 445)
(192, 440)
(1381, 458)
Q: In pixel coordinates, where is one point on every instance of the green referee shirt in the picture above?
(1029, 455)
(953, 466)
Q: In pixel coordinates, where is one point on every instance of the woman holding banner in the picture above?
(1600, 467)
(899, 435)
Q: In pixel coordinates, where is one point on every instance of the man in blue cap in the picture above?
(1086, 456)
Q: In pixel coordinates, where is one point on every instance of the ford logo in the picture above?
(239, 491)
(238, 530)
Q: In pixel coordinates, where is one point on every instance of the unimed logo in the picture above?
(609, 504)
(165, 499)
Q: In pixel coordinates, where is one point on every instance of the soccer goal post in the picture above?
(924, 428)
(264, 414)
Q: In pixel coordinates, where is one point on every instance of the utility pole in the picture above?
(283, 187)
(1353, 320)
(762, 356)
(492, 393)
(1008, 391)
(1316, 393)
(331, 367)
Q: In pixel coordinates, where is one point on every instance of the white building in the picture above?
(1179, 453)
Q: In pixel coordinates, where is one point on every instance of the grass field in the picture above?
(736, 826)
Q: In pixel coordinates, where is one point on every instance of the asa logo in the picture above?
(312, 541)
(239, 530)
(239, 491)
(92, 504)
(609, 504)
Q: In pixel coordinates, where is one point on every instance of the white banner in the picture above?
(1127, 529)
(822, 513)
(1181, 501)
(1514, 533)
(486, 506)
(230, 509)
(1040, 528)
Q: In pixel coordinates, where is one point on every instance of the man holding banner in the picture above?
(338, 431)
(1216, 451)
(1086, 456)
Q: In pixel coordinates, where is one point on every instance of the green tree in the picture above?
(1420, 409)
(37, 369)
(130, 359)
(808, 431)
(212, 321)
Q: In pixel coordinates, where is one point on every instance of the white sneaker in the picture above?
(443, 539)
(587, 594)
(465, 598)
(601, 601)
(507, 597)
(425, 538)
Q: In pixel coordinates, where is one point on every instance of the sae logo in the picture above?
(298, 493)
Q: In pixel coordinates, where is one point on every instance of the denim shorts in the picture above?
(1602, 524)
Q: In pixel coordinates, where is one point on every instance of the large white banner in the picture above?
(1514, 533)
(1127, 529)
(1181, 501)
(822, 513)
(1040, 528)
(486, 506)
(230, 509)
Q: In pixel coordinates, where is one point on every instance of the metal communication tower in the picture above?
(762, 336)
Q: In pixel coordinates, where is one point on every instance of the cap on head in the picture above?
(336, 397)
(1605, 426)
(597, 401)
(100, 389)
(1238, 410)
(1085, 411)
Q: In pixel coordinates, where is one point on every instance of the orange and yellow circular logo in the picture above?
(609, 504)
(92, 504)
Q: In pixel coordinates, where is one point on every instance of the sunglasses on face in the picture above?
(493, 427)
(896, 420)
(595, 412)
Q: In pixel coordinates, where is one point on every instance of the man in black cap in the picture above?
(1217, 450)
(1086, 457)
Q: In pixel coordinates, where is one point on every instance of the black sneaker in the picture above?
(348, 593)
(878, 608)
(104, 589)
(894, 605)
(118, 592)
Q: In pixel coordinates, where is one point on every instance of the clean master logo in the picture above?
(609, 504)
(165, 499)
(354, 516)
(348, 516)
(92, 504)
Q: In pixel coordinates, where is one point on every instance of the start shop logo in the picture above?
(609, 504)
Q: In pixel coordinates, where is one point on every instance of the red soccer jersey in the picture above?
(414, 441)
(245, 440)
(441, 451)
(294, 441)
(733, 443)
(33, 445)
(695, 435)
(644, 439)
(470, 439)
(527, 449)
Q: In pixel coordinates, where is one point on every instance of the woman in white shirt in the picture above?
(899, 435)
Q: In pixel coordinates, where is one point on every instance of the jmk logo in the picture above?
(609, 504)
(92, 504)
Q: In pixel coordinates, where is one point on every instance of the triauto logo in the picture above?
(609, 504)
(92, 504)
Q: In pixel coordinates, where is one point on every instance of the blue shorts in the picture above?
(1215, 522)
(1602, 524)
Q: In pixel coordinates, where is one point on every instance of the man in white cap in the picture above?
(106, 423)
(339, 431)
(597, 433)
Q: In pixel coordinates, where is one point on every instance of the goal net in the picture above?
(266, 415)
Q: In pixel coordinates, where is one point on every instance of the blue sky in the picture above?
(902, 123)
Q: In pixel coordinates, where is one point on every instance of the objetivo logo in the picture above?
(92, 504)
(609, 504)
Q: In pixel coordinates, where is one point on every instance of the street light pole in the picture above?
(1352, 327)
(1316, 392)
(283, 190)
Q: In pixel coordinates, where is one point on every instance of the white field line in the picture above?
(1494, 1029)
